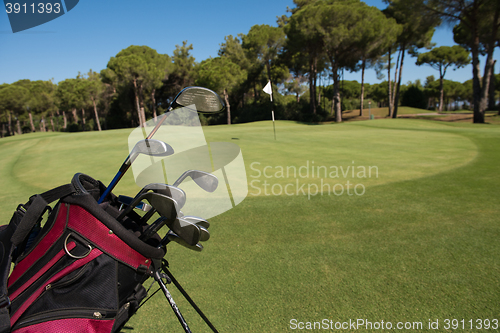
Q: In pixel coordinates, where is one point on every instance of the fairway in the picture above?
(392, 220)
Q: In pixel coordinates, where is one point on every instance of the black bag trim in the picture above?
(21, 224)
(89, 203)
(36, 207)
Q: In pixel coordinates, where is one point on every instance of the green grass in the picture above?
(383, 112)
(421, 243)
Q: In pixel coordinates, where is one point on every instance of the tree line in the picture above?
(304, 57)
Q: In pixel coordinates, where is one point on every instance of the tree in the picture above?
(326, 30)
(453, 92)
(221, 75)
(232, 49)
(489, 38)
(13, 99)
(431, 90)
(378, 93)
(441, 58)
(42, 101)
(418, 29)
(143, 68)
(27, 85)
(262, 45)
(92, 89)
(295, 85)
(304, 48)
(492, 89)
(69, 98)
(377, 35)
(160, 66)
(497, 91)
(340, 27)
(180, 73)
(472, 14)
(414, 97)
(184, 65)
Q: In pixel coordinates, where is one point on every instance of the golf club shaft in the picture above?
(159, 123)
(125, 166)
(153, 228)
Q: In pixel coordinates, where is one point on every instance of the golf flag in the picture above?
(268, 89)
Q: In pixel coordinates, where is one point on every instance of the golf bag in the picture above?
(80, 271)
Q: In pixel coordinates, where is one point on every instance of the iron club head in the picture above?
(171, 236)
(197, 220)
(203, 179)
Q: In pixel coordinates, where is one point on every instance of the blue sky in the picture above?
(87, 36)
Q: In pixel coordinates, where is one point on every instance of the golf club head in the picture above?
(171, 191)
(204, 100)
(203, 179)
(171, 236)
(150, 147)
(204, 234)
(186, 230)
(197, 220)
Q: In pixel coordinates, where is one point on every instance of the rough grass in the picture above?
(420, 244)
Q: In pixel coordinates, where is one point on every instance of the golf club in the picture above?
(205, 100)
(174, 192)
(184, 232)
(203, 179)
(204, 234)
(189, 232)
(164, 205)
(148, 147)
(171, 236)
(153, 228)
(197, 220)
(171, 191)
(126, 201)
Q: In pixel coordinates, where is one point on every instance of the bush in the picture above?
(74, 127)
(414, 97)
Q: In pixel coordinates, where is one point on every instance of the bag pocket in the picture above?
(85, 284)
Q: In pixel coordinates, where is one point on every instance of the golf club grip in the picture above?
(124, 167)
(110, 187)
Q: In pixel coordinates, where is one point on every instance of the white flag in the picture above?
(269, 90)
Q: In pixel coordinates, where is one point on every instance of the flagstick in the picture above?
(274, 127)
(269, 90)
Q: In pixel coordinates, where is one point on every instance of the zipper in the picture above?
(125, 307)
(104, 314)
(22, 289)
(36, 294)
(82, 271)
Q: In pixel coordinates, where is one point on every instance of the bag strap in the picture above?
(35, 209)
(13, 234)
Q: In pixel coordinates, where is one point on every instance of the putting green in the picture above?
(342, 159)
(305, 160)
